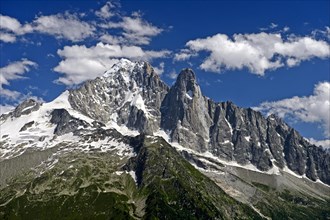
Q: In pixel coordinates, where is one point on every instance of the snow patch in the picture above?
(27, 108)
(189, 94)
(138, 102)
(122, 64)
(124, 130)
(247, 138)
(133, 175)
(208, 154)
(227, 142)
(230, 127)
(119, 173)
(40, 135)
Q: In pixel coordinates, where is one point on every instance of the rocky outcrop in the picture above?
(26, 126)
(129, 94)
(25, 108)
(185, 112)
(237, 134)
(65, 123)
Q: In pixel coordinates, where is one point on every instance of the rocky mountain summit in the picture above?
(128, 94)
(144, 132)
(133, 95)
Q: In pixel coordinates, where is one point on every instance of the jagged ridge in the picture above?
(131, 98)
(197, 122)
(132, 95)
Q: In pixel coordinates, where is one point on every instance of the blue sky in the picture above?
(271, 55)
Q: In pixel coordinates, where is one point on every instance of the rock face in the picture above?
(24, 108)
(129, 94)
(132, 94)
(65, 123)
(236, 134)
(185, 112)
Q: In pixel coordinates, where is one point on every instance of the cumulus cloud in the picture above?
(10, 28)
(81, 63)
(13, 71)
(135, 30)
(106, 10)
(313, 108)
(7, 37)
(112, 27)
(9, 23)
(257, 52)
(160, 69)
(137, 26)
(67, 26)
(120, 37)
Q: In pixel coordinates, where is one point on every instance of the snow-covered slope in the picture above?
(35, 131)
(109, 100)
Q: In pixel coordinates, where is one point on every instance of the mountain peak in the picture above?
(187, 75)
(186, 84)
(122, 64)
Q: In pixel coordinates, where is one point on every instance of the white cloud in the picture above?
(322, 33)
(152, 54)
(286, 29)
(184, 54)
(81, 63)
(67, 26)
(106, 11)
(138, 26)
(160, 69)
(9, 28)
(257, 52)
(13, 71)
(9, 23)
(135, 30)
(112, 39)
(7, 37)
(172, 75)
(313, 108)
(323, 143)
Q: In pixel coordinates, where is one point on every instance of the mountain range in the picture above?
(128, 146)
